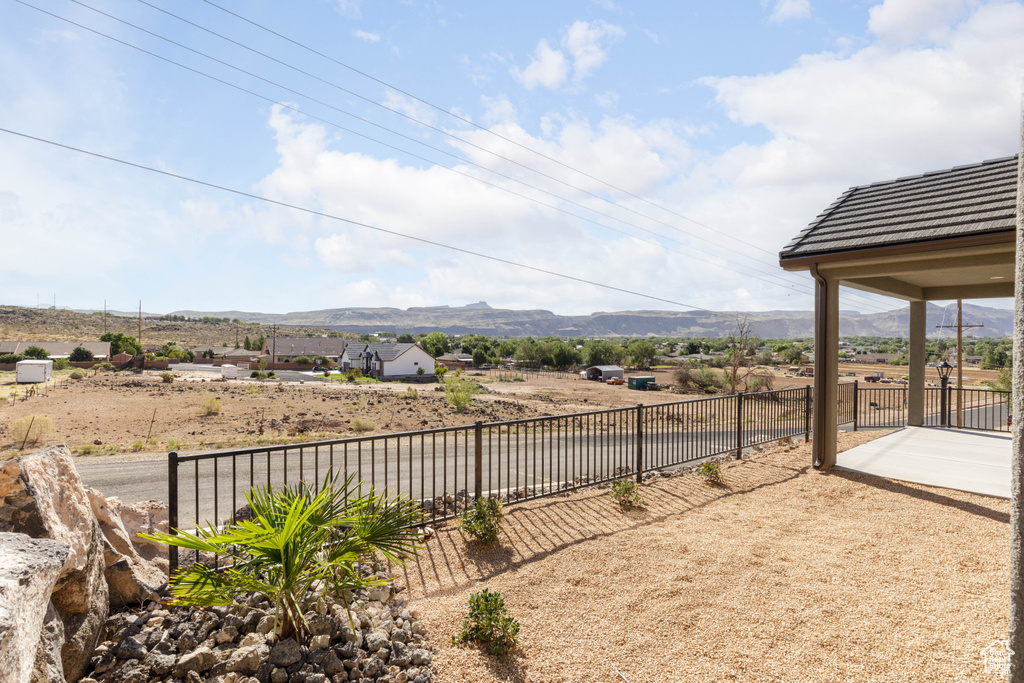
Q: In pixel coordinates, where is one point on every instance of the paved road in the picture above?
(283, 375)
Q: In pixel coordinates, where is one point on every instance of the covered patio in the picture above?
(938, 236)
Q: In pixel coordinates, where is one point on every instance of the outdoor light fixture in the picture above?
(944, 369)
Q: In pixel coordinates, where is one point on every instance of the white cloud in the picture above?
(607, 100)
(366, 36)
(586, 45)
(410, 107)
(351, 9)
(786, 10)
(906, 21)
(549, 68)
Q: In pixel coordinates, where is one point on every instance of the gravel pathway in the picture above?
(781, 574)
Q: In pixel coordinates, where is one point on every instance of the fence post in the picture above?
(639, 442)
(807, 413)
(856, 405)
(172, 507)
(478, 458)
(739, 425)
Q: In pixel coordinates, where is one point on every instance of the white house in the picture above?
(387, 359)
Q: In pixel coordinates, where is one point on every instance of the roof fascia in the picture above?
(804, 261)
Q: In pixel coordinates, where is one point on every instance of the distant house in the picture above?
(603, 373)
(387, 359)
(289, 348)
(883, 358)
(218, 351)
(455, 361)
(100, 350)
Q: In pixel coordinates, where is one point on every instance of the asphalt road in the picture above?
(283, 375)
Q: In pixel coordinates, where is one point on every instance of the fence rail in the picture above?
(444, 469)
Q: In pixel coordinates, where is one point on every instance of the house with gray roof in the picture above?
(284, 349)
(100, 349)
(388, 359)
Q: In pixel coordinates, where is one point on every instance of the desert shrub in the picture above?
(209, 406)
(32, 430)
(710, 471)
(683, 376)
(166, 377)
(80, 354)
(321, 360)
(754, 383)
(353, 374)
(459, 391)
(37, 352)
(175, 445)
(420, 371)
(252, 389)
(256, 374)
(77, 374)
(300, 546)
(410, 392)
(440, 369)
(358, 425)
(706, 379)
(489, 624)
(626, 493)
(271, 375)
(11, 358)
(483, 520)
(61, 364)
(303, 360)
(137, 446)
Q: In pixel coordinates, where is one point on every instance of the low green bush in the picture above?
(80, 354)
(77, 374)
(483, 520)
(489, 624)
(11, 358)
(459, 392)
(303, 360)
(626, 492)
(358, 425)
(209, 406)
(166, 377)
(710, 471)
(61, 364)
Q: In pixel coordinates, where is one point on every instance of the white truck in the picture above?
(33, 371)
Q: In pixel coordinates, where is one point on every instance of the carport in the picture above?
(604, 373)
(937, 236)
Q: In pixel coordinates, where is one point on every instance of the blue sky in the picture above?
(668, 149)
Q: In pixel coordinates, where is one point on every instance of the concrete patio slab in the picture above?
(964, 460)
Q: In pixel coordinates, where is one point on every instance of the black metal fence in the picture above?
(518, 460)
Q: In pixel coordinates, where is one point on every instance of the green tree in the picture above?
(80, 354)
(36, 352)
(436, 344)
(406, 339)
(122, 343)
(479, 356)
(642, 353)
(793, 355)
(601, 352)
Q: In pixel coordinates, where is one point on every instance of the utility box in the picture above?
(228, 372)
(640, 382)
(34, 371)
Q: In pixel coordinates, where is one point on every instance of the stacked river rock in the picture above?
(237, 644)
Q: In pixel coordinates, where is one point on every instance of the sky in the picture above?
(594, 155)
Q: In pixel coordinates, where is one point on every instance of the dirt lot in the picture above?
(125, 412)
(781, 574)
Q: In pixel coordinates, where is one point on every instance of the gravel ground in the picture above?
(806, 576)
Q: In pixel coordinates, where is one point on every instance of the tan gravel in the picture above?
(781, 574)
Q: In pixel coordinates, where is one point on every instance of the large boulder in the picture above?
(29, 569)
(136, 568)
(41, 495)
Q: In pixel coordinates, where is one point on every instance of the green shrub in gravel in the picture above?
(711, 472)
(482, 520)
(489, 624)
(626, 493)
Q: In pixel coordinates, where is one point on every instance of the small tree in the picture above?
(80, 354)
(479, 356)
(459, 391)
(36, 352)
(642, 353)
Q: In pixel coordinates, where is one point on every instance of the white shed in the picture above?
(34, 371)
(228, 372)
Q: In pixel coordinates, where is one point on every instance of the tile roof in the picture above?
(56, 349)
(307, 346)
(958, 202)
(386, 351)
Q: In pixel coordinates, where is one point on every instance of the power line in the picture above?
(334, 124)
(349, 221)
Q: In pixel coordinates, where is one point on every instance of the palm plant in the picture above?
(300, 546)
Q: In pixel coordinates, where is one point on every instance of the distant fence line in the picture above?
(445, 469)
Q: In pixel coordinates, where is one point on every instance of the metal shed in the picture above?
(603, 373)
(34, 371)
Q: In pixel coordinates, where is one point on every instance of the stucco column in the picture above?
(826, 369)
(1017, 458)
(915, 392)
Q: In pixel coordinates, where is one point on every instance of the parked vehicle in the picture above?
(615, 380)
(874, 377)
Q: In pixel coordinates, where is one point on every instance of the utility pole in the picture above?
(104, 317)
(960, 360)
(140, 323)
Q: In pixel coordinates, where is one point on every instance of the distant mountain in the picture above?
(479, 318)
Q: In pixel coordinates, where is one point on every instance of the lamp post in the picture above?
(944, 370)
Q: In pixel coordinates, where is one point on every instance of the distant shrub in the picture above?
(137, 446)
(209, 406)
(410, 392)
(256, 374)
(166, 377)
(175, 445)
(271, 375)
(710, 471)
(358, 425)
(321, 360)
(11, 358)
(353, 374)
(303, 360)
(706, 379)
(483, 520)
(61, 364)
(77, 374)
(626, 493)
(32, 430)
(104, 367)
(683, 376)
(37, 352)
(80, 354)
(489, 624)
(459, 391)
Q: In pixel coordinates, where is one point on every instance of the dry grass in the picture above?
(780, 574)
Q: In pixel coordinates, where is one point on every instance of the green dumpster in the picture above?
(640, 382)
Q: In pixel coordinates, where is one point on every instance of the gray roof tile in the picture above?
(961, 201)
